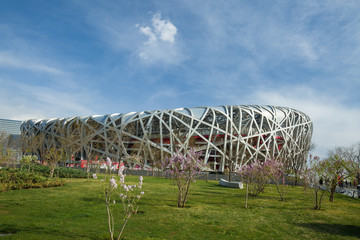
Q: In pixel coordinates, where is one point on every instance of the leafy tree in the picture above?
(343, 163)
(28, 161)
(335, 168)
(52, 157)
(351, 155)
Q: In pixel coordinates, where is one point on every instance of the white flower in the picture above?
(122, 179)
(142, 193)
(94, 176)
(113, 183)
(108, 161)
(114, 201)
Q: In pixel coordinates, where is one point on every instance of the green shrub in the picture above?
(61, 172)
(42, 170)
(11, 179)
(64, 172)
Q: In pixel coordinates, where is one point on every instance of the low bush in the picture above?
(61, 172)
(11, 179)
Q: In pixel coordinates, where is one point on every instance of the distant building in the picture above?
(227, 136)
(11, 136)
(10, 127)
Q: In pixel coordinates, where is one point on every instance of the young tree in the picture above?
(256, 175)
(335, 166)
(27, 161)
(52, 157)
(296, 160)
(70, 142)
(85, 140)
(183, 169)
(233, 157)
(352, 157)
(277, 174)
(316, 175)
(117, 192)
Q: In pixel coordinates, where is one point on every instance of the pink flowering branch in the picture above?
(183, 168)
(116, 190)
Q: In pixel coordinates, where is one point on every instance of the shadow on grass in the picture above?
(92, 199)
(336, 229)
(9, 228)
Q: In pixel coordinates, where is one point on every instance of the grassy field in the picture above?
(77, 211)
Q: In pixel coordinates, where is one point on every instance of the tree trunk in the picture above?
(153, 168)
(52, 169)
(332, 190)
(247, 194)
(316, 202)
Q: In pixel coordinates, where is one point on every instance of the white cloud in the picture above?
(161, 46)
(15, 61)
(21, 101)
(148, 32)
(164, 28)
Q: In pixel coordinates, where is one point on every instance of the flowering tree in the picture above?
(182, 169)
(256, 175)
(117, 191)
(277, 174)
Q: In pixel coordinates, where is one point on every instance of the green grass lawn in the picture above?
(77, 211)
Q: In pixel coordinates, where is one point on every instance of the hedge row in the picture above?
(14, 179)
(61, 172)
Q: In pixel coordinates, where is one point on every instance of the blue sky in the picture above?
(66, 58)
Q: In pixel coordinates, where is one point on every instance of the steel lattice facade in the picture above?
(228, 136)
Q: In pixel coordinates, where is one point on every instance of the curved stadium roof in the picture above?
(226, 134)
